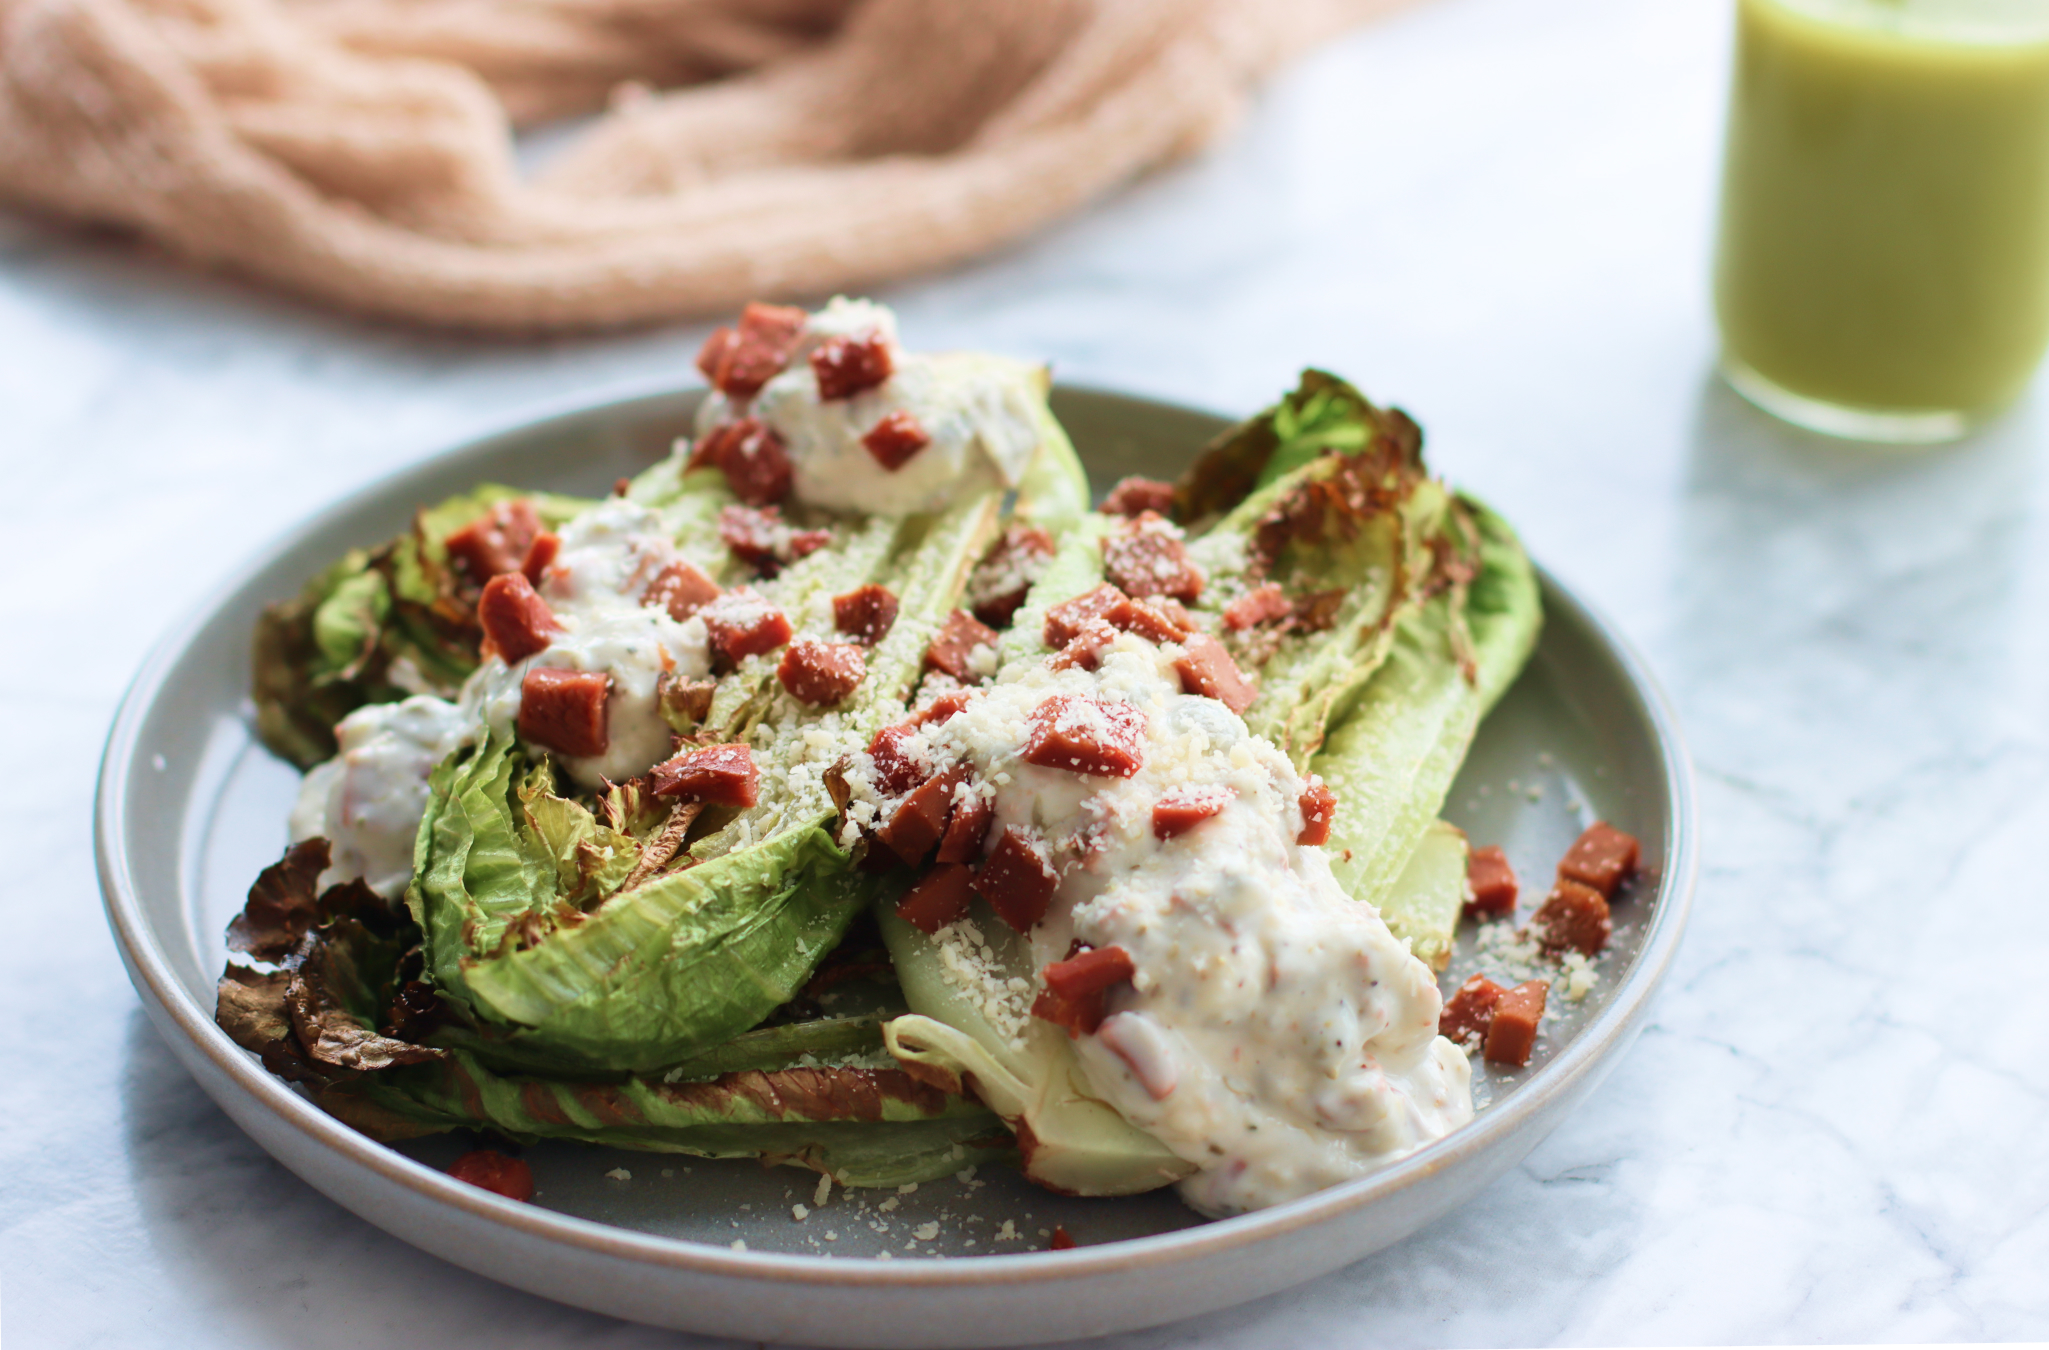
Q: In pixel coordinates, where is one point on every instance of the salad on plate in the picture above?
(848, 791)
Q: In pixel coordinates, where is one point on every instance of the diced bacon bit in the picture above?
(1573, 918)
(1490, 882)
(895, 440)
(739, 363)
(761, 538)
(1147, 558)
(1084, 650)
(492, 1171)
(1076, 995)
(1603, 857)
(939, 899)
(564, 710)
(1003, 577)
(1062, 1241)
(540, 555)
(751, 456)
(495, 542)
(1469, 1012)
(1319, 808)
(681, 589)
(723, 775)
(896, 769)
(1207, 669)
(958, 638)
(1065, 620)
(1151, 618)
(1182, 809)
(1086, 736)
(968, 827)
(515, 620)
(919, 820)
(1253, 608)
(1017, 880)
(621, 486)
(865, 614)
(822, 673)
(1135, 496)
(846, 366)
(942, 708)
(1513, 1032)
(742, 624)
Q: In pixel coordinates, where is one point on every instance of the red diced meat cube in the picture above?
(1255, 607)
(681, 589)
(1151, 619)
(967, 828)
(751, 456)
(945, 706)
(540, 555)
(1490, 882)
(895, 440)
(1134, 496)
(1147, 558)
(495, 542)
(1207, 669)
(958, 638)
(939, 898)
(759, 537)
(739, 363)
(564, 710)
(1573, 917)
(846, 366)
(822, 673)
(1065, 620)
(742, 624)
(1319, 809)
(897, 769)
(1062, 1239)
(865, 614)
(1017, 879)
(492, 1171)
(919, 820)
(1469, 1012)
(1003, 578)
(1513, 1032)
(723, 775)
(515, 620)
(1086, 736)
(1084, 651)
(1089, 971)
(1603, 857)
(1183, 809)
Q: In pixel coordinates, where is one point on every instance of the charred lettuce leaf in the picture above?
(376, 626)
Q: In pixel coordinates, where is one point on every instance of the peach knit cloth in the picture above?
(360, 151)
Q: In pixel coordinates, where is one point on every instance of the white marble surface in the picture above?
(1493, 211)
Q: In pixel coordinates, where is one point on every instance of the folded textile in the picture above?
(359, 152)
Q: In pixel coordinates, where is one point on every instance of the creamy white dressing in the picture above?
(980, 411)
(368, 800)
(1276, 1035)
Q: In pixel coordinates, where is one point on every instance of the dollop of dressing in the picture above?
(369, 799)
(980, 412)
(1276, 1035)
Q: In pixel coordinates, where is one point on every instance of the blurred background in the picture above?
(1499, 216)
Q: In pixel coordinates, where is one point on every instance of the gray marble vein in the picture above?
(1499, 215)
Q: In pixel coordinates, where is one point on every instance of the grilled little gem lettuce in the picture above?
(697, 971)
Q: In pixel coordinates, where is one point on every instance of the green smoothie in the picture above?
(1885, 207)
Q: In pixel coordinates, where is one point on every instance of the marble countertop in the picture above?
(1497, 214)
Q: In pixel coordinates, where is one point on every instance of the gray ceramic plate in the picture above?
(190, 807)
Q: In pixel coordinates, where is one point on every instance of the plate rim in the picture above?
(171, 1006)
